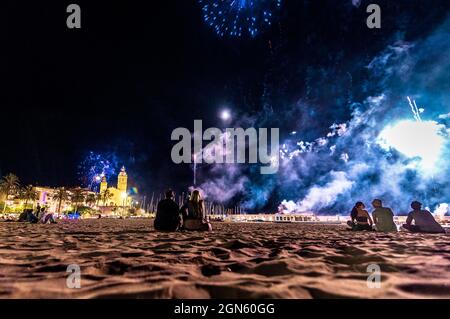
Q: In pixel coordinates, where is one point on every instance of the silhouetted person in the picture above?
(40, 212)
(23, 217)
(424, 221)
(383, 217)
(46, 218)
(360, 218)
(167, 214)
(194, 216)
(31, 218)
(184, 207)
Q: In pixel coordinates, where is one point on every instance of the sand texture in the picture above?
(128, 259)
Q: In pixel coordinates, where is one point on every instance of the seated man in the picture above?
(424, 222)
(167, 214)
(383, 217)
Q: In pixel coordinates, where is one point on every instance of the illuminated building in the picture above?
(118, 196)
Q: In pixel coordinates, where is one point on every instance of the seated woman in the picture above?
(194, 215)
(424, 221)
(361, 219)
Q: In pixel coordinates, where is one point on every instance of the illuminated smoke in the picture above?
(441, 210)
(356, 3)
(387, 146)
(320, 196)
(424, 140)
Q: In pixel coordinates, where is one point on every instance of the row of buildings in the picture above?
(108, 199)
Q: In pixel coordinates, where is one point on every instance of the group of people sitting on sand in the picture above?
(191, 215)
(40, 215)
(383, 219)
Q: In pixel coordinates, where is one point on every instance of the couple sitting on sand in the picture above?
(41, 216)
(383, 218)
(191, 216)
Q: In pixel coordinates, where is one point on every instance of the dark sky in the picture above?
(138, 69)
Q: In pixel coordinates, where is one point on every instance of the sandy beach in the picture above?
(128, 259)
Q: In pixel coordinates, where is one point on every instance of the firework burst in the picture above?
(236, 18)
(95, 166)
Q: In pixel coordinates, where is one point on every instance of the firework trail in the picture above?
(415, 109)
(195, 169)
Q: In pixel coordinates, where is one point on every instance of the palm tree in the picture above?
(98, 198)
(61, 195)
(77, 197)
(28, 193)
(8, 185)
(91, 199)
(106, 194)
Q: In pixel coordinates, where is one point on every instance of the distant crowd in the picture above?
(419, 220)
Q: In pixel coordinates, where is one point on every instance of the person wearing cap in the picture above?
(424, 221)
(167, 214)
(383, 217)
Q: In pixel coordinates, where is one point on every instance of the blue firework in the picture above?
(96, 165)
(236, 18)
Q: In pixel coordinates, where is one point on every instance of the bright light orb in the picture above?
(424, 140)
(225, 115)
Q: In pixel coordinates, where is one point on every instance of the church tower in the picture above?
(122, 180)
(103, 185)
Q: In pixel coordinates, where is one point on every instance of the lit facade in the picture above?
(119, 195)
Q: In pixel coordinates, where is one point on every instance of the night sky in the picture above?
(136, 70)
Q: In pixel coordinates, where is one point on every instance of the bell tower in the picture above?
(103, 185)
(122, 180)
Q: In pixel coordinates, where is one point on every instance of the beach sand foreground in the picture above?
(128, 259)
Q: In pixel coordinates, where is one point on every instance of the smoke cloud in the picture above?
(326, 165)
